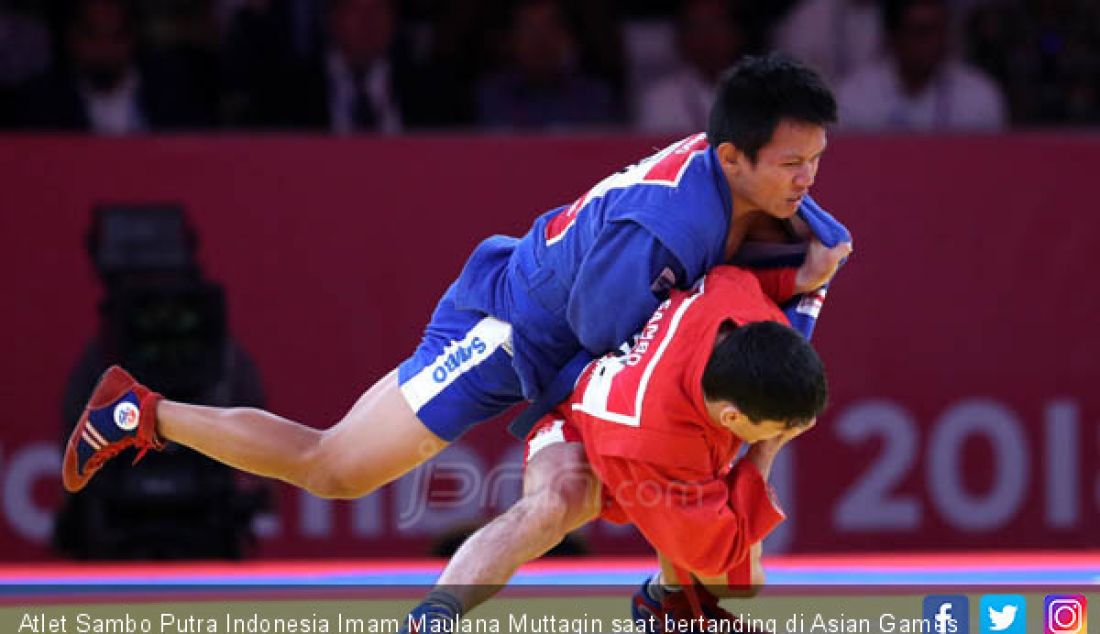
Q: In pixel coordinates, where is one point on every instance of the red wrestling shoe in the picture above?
(121, 413)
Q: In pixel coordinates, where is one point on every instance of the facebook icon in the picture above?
(947, 614)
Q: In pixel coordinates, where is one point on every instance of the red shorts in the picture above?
(551, 429)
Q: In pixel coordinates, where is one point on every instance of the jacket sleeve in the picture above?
(802, 311)
(706, 526)
(625, 275)
(777, 284)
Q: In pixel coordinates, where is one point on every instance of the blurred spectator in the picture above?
(359, 78)
(186, 32)
(268, 44)
(918, 86)
(757, 19)
(358, 68)
(168, 24)
(472, 38)
(104, 88)
(1047, 55)
(541, 84)
(24, 53)
(124, 66)
(709, 40)
(834, 36)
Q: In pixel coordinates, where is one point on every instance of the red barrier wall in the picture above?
(959, 341)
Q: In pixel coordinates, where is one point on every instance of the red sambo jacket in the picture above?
(664, 465)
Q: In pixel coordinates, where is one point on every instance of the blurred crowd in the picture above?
(393, 66)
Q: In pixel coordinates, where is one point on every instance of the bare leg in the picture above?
(560, 493)
(377, 441)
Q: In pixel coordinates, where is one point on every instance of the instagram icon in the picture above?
(1065, 614)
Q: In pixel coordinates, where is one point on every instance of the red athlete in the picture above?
(652, 435)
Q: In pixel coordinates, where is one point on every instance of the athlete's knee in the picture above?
(561, 490)
(558, 508)
(328, 483)
(328, 475)
(542, 517)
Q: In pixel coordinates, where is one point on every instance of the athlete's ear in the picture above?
(729, 416)
(729, 156)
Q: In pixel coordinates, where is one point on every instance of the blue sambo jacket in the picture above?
(587, 276)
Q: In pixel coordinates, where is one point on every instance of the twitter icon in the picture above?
(1003, 613)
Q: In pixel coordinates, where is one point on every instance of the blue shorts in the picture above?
(461, 373)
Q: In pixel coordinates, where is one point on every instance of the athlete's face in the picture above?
(783, 173)
(751, 432)
(727, 415)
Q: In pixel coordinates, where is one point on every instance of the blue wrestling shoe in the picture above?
(644, 608)
(439, 612)
(121, 413)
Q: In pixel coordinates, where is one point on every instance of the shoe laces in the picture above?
(105, 454)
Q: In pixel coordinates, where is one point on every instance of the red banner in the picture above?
(959, 340)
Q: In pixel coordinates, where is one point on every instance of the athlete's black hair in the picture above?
(758, 93)
(769, 372)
